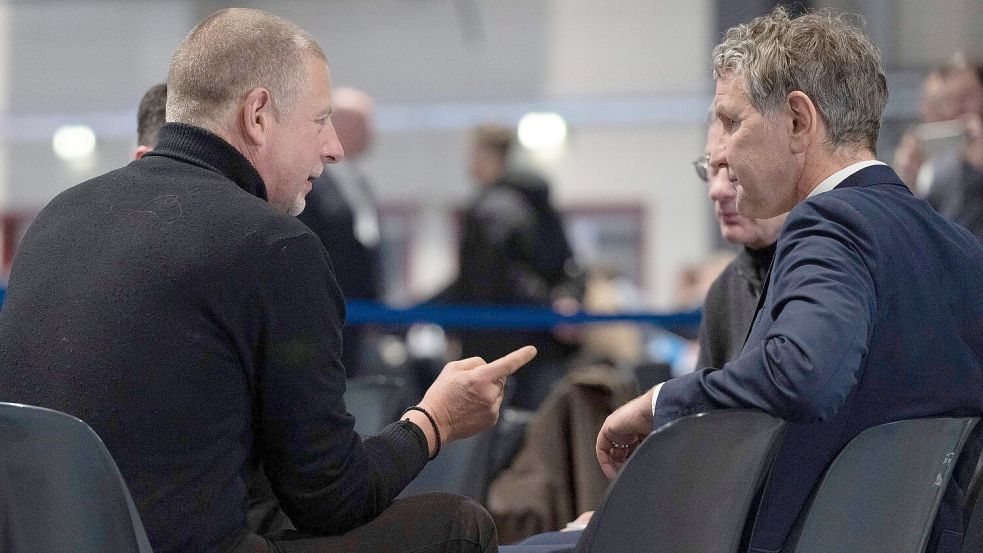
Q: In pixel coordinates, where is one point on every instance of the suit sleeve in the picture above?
(806, 351)
(326, 477)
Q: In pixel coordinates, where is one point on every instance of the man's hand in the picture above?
(467, 394)
(621, 433)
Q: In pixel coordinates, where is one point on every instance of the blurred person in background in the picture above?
(513, 252)
(342, 211)
(944, 155)
(208, 337)
(150, 118)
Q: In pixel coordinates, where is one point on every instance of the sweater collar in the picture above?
(198, 146)
(753, 265)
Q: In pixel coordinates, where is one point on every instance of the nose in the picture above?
(331, 149)
(718, 177)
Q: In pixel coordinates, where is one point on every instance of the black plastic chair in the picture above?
(688, 487)
(60, 490)
(882, 492)
(462, 467)
(973, 539)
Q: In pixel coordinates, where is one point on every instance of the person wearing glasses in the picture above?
(871, 312)
(730, 302)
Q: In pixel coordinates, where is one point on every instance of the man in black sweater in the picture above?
(178, 307)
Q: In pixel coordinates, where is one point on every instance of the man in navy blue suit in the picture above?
(873, 311)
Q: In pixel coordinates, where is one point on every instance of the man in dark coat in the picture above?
(871, 313)
(513, 252)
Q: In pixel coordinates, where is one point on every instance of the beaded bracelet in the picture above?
(433, 422)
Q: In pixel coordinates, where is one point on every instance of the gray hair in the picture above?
(823, 56)
(231, 53)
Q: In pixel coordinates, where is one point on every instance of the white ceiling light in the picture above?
(540, 132)
(74, 142)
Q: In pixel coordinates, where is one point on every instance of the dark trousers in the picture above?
(426, 523)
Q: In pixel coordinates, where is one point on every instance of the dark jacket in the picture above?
(873, 313)
(198, 331)
(729, 307)
(957, 192)
(513, 252)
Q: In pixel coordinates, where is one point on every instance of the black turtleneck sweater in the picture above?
(198, 331)
(729, 307)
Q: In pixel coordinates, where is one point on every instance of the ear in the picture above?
(140, 151)
(804, 122)
(256, 115)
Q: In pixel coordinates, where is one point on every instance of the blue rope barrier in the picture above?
(362, 312)
(516, 318)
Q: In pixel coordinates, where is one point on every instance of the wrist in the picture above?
(440, 417)
(646, 405)
(423, 419)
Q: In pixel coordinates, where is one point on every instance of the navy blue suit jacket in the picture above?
(873, 313)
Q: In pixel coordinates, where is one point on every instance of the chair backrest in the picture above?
(462, 468)
(60, 490)
(973, 538)
(882, 492)
(375, 402)
(688, 487)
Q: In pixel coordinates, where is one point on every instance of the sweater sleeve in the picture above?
(713, 335)
(326, 477)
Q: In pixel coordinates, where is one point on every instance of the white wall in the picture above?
(631, 76)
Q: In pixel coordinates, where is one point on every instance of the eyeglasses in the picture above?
(701, 166)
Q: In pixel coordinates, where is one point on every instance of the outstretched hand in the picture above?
(621, 433)
(466, 397)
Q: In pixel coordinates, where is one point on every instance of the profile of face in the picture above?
(756, 151)
(734, 227)
(299, 143)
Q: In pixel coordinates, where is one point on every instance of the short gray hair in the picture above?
(823, 56)
(231, 53)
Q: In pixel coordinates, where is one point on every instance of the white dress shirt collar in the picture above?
(836, 178)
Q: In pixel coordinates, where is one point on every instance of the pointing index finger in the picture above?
(508, 364)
